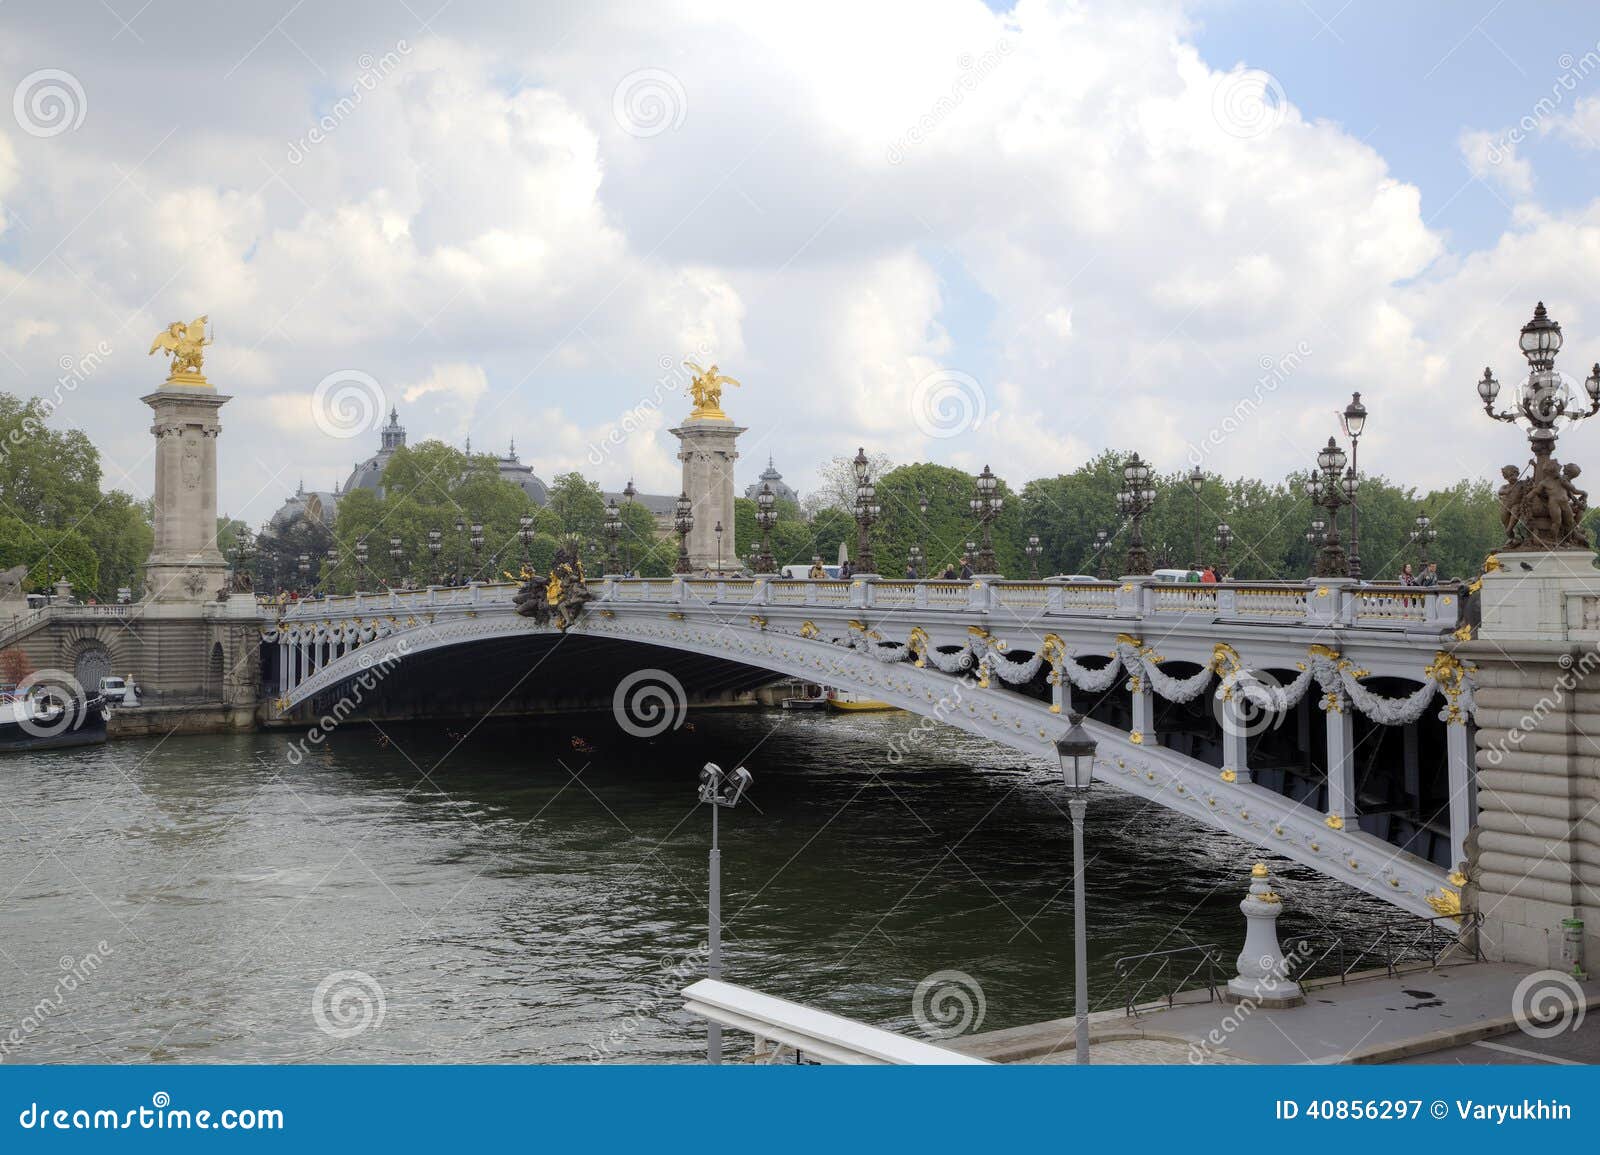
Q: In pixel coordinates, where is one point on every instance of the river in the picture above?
(534, 891)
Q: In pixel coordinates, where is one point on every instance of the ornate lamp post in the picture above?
(867, 510)
(914, 556)
(1422, 535)
(330, 563)
(477, 550)
(1548, 521)
(986, 504)
(435, 544)
(628, 494)
(461, 551)
(1033, 549)
(525, 532)
(1197, 481)
(361, 562)
(1224, 539)
(305, 573)
(683, 522)
(718, 790)
(1355, 420)
(1075, 750)
(1102, 538)
(1135, 500)
(717, 529)
(396, 552)
(1327, 487)
(766, 518)
(920, 553)
(613, 528)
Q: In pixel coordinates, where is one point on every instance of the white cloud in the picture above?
(1493, 157)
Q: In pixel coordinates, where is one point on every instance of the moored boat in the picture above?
(51, 719)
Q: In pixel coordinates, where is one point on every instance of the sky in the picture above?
(943, 230)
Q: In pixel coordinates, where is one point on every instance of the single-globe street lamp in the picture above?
(1355, 420)
(628, 494)
(461, 551)
(867, 510)
(717, 790)
(1224, 539)
(922, 508)
(683, 522)
(1075, 751)
(1197, 481)
(717, 529)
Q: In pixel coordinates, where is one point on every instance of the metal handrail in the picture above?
(1205, 957)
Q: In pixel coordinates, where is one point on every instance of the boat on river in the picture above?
(851, 702)
(51, 718)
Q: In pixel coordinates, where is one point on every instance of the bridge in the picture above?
(1326, 722)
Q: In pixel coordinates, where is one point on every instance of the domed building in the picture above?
(520, 475)
(368, 474)
(316, 504)
(770, 476)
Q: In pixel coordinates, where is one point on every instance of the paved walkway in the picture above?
(1378, 1019)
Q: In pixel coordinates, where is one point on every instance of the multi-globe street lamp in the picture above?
(1134, 500)
(1197, 481)
(1544, 399)
(683, 522)
(1422, 535)
(1224, 540)
(330, 561)
(718, 790)
(985, 504)
(1331, 487)
(477, 550)
(613, 528)
(461, 551)
(396, 552)
(1102, 538)
(304, 567)
(435, 544)
(766, 519)
(914, 556)
(867, 511)
(1075, 750)
(1354, 420)
(361, 562)
(1033, 549)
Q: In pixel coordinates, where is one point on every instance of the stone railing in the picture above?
(1333, 604)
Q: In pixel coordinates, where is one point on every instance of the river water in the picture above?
(535, 892)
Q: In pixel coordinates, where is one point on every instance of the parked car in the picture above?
(1172, 575)
(800, 572)
(1072, 577)
(113, 689)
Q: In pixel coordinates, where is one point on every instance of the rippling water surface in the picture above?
(517, 899)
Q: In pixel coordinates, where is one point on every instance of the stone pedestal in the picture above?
(185, 566)
(1263, 972)
(707, 450)
(1537, 708)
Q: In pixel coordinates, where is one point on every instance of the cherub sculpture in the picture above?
(185, 345)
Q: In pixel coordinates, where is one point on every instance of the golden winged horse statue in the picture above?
(706, 389)
(185, 344)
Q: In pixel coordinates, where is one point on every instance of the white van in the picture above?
(801, 572)
(113, 689)
(1172, 575)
